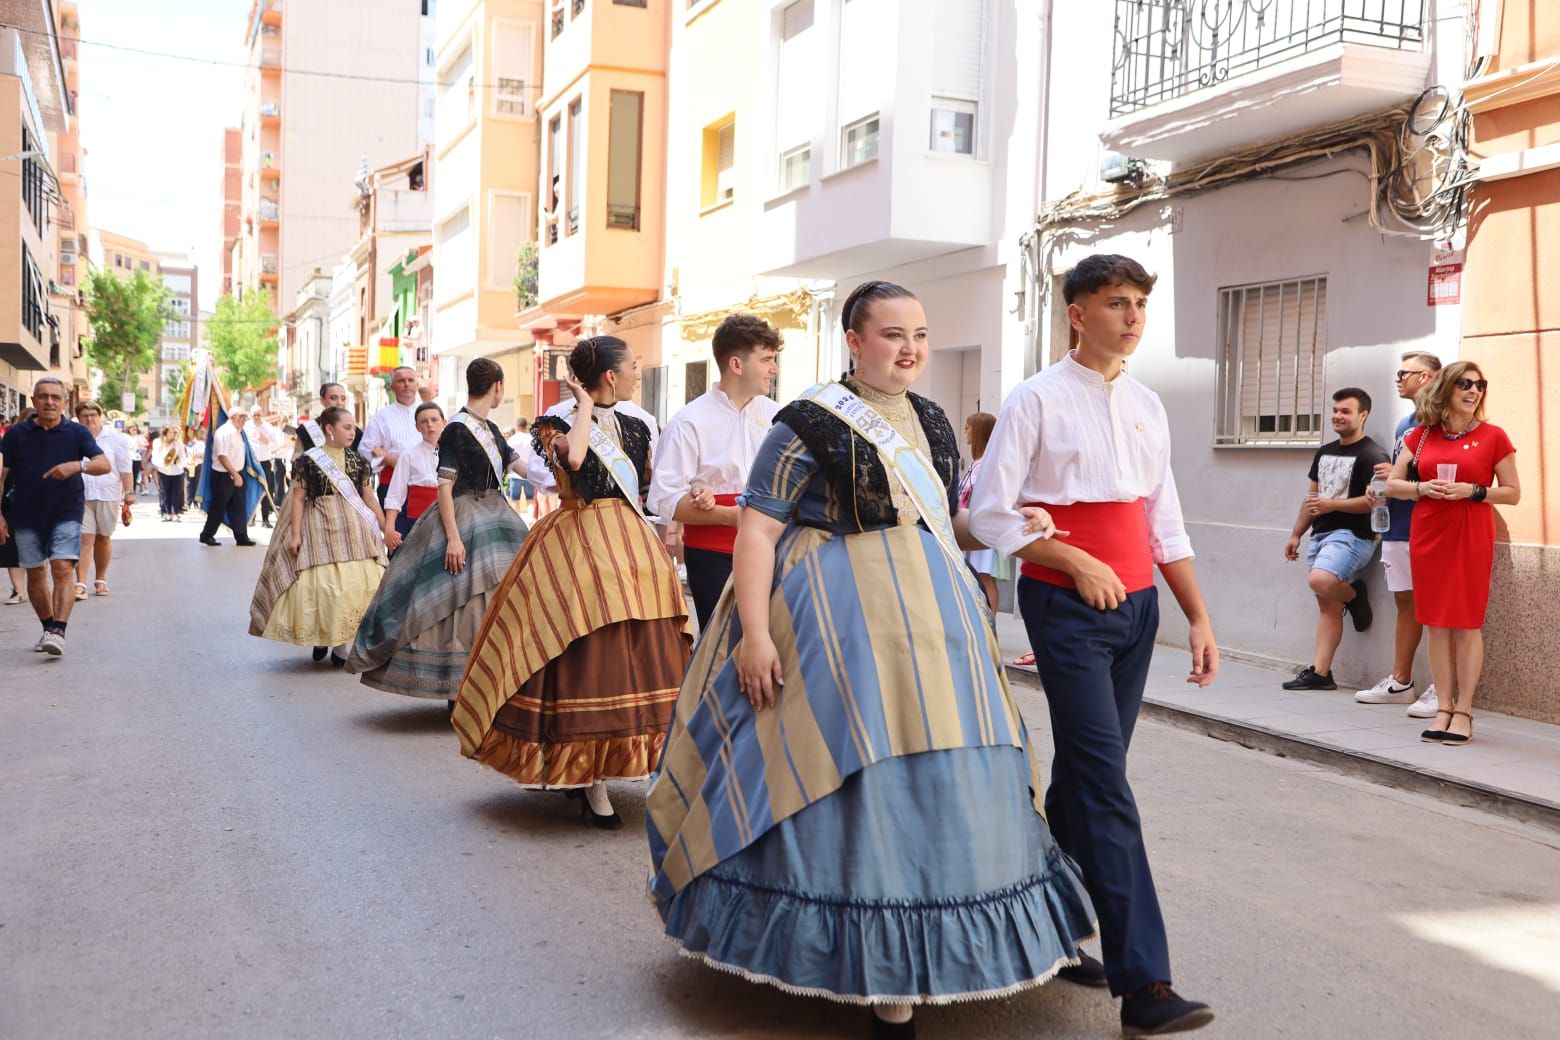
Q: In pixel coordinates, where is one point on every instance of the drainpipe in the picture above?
(1030, 261)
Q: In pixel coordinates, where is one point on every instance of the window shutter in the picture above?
(860, 21)
(1275, 356)
(508, 227)
(797, 93)
(511, 67)
(956, 60)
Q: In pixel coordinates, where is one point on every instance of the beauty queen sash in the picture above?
(316, 435)
(619, 465)
(345, 489)
(915, 471)
(479, 430)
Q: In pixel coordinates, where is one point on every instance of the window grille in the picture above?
(1272, 357)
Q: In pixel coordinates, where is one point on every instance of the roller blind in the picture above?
(956, 60)
(1274, 351)
(797, 91)
(861, 27)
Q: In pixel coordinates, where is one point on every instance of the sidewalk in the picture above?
(1512, 767)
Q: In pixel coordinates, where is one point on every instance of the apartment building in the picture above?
(1511, 328)
(485, 168)
(329, 87)
(1248, 164)
(180, 333)
(232, 201)
(65, 299)
(602, 217)
(35, 109)
(311, 355)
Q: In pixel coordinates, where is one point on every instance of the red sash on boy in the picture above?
(712, 537)
(419, 498)
(1115, 533)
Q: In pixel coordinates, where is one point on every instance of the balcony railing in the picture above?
(1166, 49)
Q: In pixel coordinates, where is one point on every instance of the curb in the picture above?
(1456, 790)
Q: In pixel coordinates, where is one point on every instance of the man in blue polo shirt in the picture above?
(45, 458)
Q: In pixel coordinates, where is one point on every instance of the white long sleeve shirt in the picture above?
(418, 467)
(110, 486)
(159, 456)
(709, 440)
(1066, 435)
(393, 429)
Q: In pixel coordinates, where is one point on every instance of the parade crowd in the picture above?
(842, 797)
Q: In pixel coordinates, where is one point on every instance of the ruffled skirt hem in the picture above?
(577, 763)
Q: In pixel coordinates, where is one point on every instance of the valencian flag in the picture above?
(203, 405)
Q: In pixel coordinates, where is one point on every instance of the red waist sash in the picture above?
(1115, 533)
(419, 498)
(385, 473)
(712, 537)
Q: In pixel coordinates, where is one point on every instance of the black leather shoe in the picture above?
(337, 661)
(320, 652)
(205, 540)
(882, 1030)
(1087, 972)
(1308, 679)
(1156, 1010)
(247, 543)
(1359, 607)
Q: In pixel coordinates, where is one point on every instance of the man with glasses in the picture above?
(46, 457)
(1418, 368)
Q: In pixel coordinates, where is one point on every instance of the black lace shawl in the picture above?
(593, 481)
(462, 454)
(315, 483)
(841, 455)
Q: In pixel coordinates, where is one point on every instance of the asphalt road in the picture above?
(203, 834)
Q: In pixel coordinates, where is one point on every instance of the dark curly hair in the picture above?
(741, 333)
(1095, 272)
(592, 358)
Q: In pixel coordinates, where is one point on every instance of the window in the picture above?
(720, 152)
(509, 227)
(512, 47)
(625, 123)
(1272, 346)
(797, 93)
(550, 191)
(145, 266)
(863, 24)
(629, 3)
(452, 239)
(652, 392)
(576, 166)
(859, 142)
(34, 192)
(959, 26)
(696, 379)
(953, 126)
(33, 308)
(456, 87)
(796, 168)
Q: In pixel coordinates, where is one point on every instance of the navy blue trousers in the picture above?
(707, 574)
(1094, 665)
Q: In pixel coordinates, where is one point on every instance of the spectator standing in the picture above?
(265, 440)
(197, 457)
(229, 448)
(392, 429)
(170, 457)
(8, 558)
(1418, 368)
(1337, 513)
(108, 499)
(47, 456)
(521, 490)
(1451, 542)
(137, 455)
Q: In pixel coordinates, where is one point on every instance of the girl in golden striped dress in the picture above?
(572, 678)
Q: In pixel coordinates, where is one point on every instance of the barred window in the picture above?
(652, 392)
(1272, 355)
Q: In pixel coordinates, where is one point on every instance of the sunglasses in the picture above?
(1404, 373)
(1480, 385)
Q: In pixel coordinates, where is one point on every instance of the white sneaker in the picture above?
(1424, 707)
(53, 643)
(38, 646)
(1387, 691)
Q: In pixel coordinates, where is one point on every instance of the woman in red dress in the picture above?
(1458, 467)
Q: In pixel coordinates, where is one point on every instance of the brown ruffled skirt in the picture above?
(575, 672)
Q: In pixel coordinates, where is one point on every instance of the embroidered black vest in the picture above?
(593, 480)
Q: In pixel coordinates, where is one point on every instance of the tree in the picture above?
(525, 278)
(241, 336)
(127, 316)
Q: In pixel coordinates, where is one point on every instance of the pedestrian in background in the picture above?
(1418, 368)
(418, 630)
(984, 562)
(137, 456)
(1456, 467)
(415, 485)
(265, 441)
(571, 681)
(170, 457)
(521, 492)
(1336, 511)
(108, 500)
(320, 574)
(8, 558)
(47, 456)
(228, 504)
(197, 457)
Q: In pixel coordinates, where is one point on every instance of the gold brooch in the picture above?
(1140, 427)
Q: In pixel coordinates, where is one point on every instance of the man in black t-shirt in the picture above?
(1337, 513)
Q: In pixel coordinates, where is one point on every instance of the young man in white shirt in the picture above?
(707, 450)
(520, 489)
(1092, 445)
(392, 429)
(108, 500)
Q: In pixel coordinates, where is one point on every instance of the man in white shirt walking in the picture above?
(707, 450)
(392, 429)
(1092, 445)
(108, 500)
(229, 448)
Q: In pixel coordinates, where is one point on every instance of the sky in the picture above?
(152, 126)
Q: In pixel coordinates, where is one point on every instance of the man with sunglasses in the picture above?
(1418, 368)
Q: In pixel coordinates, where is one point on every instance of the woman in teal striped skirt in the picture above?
(847, 806)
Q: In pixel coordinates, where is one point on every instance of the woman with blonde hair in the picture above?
(1456, 466)
(169, 457)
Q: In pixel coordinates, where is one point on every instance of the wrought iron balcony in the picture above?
(1166, 49)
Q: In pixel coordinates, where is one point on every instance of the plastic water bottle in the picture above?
(1380, 515)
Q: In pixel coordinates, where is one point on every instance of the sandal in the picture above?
(1450, 739)
(81, 590)
(16, 598)
(1434, 735)
(1025, 660)
(100, 587)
